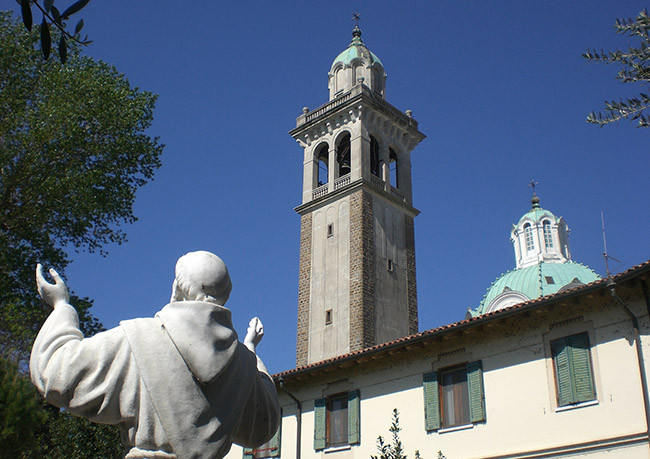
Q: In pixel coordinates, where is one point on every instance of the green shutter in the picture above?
(562, 372)
(274, 443)
(431, 401)
(353, 417)
(583, 384)
(248, 453)
(320, 423)
(475, 391)
(573, 369)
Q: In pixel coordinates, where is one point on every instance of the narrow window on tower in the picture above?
(323, 169)
(374, 157)
(343, 155)
(330, 230)
(328, 317)
(389, 265)
(394, 177)
(340, 81)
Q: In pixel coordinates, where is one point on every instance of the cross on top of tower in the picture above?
(534, 200)
(356, 17)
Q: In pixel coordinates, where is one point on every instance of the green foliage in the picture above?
(71, 437)
(73, 152)
(634, 68)
(29, 428)
(394, 450)
(52, 18)
(21, 413)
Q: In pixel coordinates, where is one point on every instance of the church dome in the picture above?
(525, 284)
(543, 262)
(356, 65)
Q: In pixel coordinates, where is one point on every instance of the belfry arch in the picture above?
(343, 154)
(322, 161)
(393, 168)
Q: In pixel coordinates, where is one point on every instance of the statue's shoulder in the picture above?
(140, 325)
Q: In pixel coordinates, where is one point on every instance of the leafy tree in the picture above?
(634, 68)
(71, 437)
(29, 428)
(21, 412)
(73, 152)
(53, 18)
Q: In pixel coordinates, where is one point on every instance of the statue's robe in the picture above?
(178, 385)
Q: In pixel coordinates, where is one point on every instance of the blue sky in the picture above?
(499, 88)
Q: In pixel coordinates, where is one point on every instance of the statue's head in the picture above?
(201, 276)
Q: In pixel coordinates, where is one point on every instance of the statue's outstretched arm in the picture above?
(254, 334)
(53, 294)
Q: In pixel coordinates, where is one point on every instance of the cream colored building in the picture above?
(524, 398)
(558, 376)
(551, 364)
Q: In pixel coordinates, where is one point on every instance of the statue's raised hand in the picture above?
(53, 294)
(254, 334)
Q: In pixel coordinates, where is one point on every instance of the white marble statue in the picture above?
(179, 385)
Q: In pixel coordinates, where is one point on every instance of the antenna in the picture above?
(605, 255)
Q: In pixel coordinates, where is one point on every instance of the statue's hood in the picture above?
(203, 334)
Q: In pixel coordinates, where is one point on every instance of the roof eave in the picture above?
(426, 335)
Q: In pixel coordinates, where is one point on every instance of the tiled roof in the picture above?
(352, 357)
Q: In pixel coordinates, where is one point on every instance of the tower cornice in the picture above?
(324, 200)
(351, 107)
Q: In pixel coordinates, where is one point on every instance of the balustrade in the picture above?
(341, 181)
(397, 193)
(318, 192)
(376, 181)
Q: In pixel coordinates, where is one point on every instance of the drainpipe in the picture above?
(298, 416)
(639, 350)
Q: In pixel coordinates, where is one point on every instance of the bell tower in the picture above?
(357, 285)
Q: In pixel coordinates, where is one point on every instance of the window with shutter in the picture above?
(320, 423)
(572, 364)
(336, 420)
(353, 417)
(475, 391)
(431, 401)
(454, 396)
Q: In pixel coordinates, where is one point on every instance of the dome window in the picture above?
(528, 232)
(548, 236)
(340, 80)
